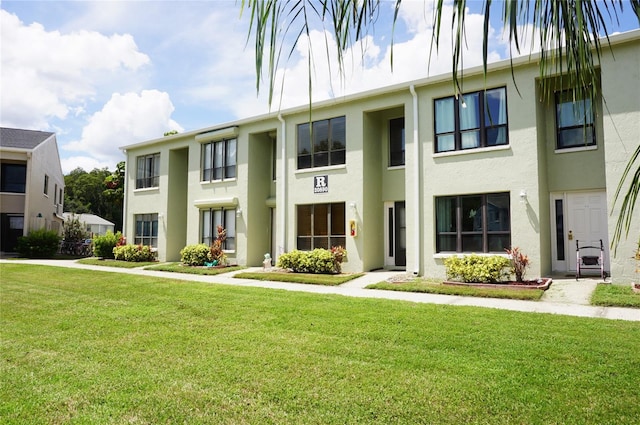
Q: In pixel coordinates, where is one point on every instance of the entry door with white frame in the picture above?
(582, 217)
(395, 241)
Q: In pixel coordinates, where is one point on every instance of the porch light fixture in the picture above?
(523, 196)
(239, 212)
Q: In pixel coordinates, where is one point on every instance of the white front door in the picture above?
(586, 225)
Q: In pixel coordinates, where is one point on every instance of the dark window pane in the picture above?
(576, 137)
(498, 212)
(304, 244)
(496, 136)
(13, 178)
(447, 243)
(337, 157)
(338, 241)
(321, 136)
(471, 213)
(321, 242)
(337, 219)
(304, 220)
(396, 142)
(338, 133)
(498, 243)
(472, 243)
(304, 161)
(559, 230)
(496, 107)
(321, 159)
(320, 217)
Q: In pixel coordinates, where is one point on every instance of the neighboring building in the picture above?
(32, 191)
(94, 224)
(407, 175)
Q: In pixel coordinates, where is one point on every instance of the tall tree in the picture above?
(568, 34)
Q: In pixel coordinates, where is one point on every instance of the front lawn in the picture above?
(94, 261)
(610, 295)
(84, 346)
(311, 278)
(206, 271)
(431, 286)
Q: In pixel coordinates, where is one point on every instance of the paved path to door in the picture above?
(565, 296)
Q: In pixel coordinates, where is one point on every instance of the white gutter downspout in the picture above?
(282, 205)
(416, 183)
(126, 194)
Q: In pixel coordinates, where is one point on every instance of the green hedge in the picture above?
(195, 255)
(134, 253)
(39, 244)
(476, 268)
(103, 245)
(317, 261)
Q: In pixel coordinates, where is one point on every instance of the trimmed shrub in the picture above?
(134, 253)
(476, 268)
(195, 255)
(320, 260)
(103, 245)
(39, 244)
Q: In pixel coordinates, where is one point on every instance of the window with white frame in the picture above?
(219, 160)
(472, 120)
(146, 230)
(148, 171)
(322, 144)
(396, 142)
(473, 223)
(321, 226)
(46, 184)
(574, 120)
(13, 177)
(211, 219)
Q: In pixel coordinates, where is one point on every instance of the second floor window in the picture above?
(219, 160)
(322, 144)
(396, 142)
(148, 171)
(46, 184)
(13, 178)
(574, 121)
(472, 120)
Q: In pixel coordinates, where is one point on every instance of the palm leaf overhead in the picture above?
(568, 34)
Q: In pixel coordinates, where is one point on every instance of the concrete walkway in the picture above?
(565, 296)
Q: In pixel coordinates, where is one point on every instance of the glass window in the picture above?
(574, 121)
(211, 219)
(471, 121)
(46, 184)
(219, 160)
(147, 230)
(322, 143)
(321, 226)
(473, 223)
(13, 178)
(396, 142)
(148, 171)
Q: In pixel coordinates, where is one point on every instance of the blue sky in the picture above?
(103, 74)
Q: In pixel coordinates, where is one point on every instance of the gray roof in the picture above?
(88, 219)
(22, 139)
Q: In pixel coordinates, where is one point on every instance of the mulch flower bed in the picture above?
(542, 283)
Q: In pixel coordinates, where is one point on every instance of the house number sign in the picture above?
(321, 184)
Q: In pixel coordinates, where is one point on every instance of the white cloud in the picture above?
(125, 119)
(48, 74)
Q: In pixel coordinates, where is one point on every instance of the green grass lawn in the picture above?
(609, 295)
(179, 268)
(93, 261)
(311, 278)
(95, 347)
(433, 286)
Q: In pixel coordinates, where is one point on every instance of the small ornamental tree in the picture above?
(217, 253)
(519, 263)
(73, 230)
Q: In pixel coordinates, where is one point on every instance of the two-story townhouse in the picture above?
(32, 184)
(407, 175)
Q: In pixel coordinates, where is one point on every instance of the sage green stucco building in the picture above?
(406, 175)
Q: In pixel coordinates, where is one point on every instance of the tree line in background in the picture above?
(99, 192)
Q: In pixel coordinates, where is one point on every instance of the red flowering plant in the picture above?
(519, 263)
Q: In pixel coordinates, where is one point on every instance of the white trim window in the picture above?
(146, 230)
(210, 219)
(322, 144)
(471, 121)
(148, 171)
(219, 160)
(473, 223)
(396, 142)
(321, 226)
(574, 121)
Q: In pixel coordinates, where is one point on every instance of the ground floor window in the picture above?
(321, 226)
(147, 230)
(211, 219)
(473, 223)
